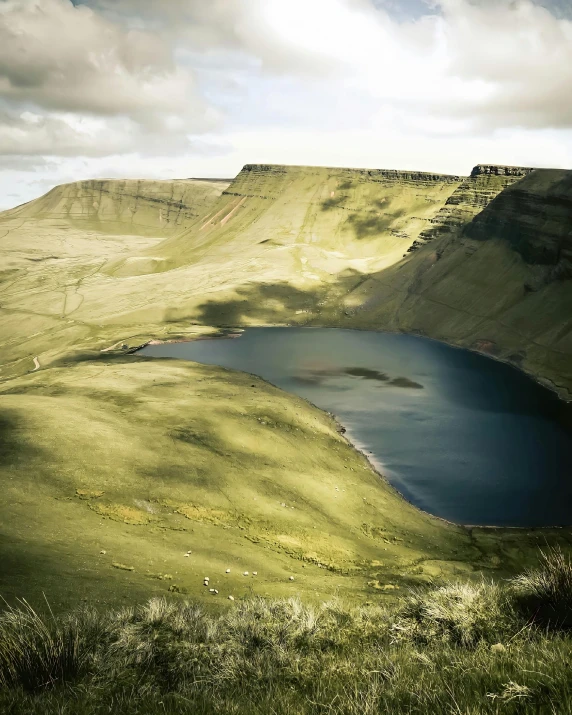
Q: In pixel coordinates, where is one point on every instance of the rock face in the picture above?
(344, 173)
(499, 170)
(471, 197)
(534, 217)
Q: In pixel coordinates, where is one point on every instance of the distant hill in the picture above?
(123, 206)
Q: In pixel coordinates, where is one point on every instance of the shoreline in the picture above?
(345, 433)
(377, 466)
(230, 336)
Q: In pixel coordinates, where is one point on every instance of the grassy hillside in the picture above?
(334, 217)
(454, 648)
(499, 284)
(114, 468)
(146, 460)
(125, 207)
(54, 246)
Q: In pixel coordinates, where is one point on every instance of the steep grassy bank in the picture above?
(453, 648)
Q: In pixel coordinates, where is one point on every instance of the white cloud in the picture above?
(63, 58)
(67, 135)
(496, 64)
(524, 54)
(188, 87)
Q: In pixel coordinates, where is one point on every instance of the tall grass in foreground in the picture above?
(456, 648)
(545, 593)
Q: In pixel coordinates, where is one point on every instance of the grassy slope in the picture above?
(201, 458)
(283, 245)
(489, 288)
(55, 246)
(459, 647)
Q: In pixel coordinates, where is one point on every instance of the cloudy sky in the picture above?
(180, 88)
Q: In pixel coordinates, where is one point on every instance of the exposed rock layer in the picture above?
(471, 197)
(535, 218)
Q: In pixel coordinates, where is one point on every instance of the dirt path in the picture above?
(37, 364)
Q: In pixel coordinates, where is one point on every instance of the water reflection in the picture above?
(318, 375)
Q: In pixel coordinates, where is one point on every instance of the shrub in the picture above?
(460, 613)
(453, 643)
(544, 594)
(288, 624)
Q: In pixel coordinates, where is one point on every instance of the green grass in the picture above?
(113, 468)
(456, 648)
(188, 455)
(98, 262)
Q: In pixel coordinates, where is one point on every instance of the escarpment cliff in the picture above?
(262, 172)
(534, 217)
(498, 283)
(322, 219)
(471, 197)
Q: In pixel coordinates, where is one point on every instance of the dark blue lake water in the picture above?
(460, 435)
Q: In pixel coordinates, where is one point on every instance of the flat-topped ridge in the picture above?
(371, 173)
(128, 181)
(500, 170)
(209, 178)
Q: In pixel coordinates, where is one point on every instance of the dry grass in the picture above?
(457, 648)
(545, 593)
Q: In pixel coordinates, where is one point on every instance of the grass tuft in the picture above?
(544, 593)
(460, 613)
(37, 653)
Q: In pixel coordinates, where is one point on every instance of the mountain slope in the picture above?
(438, 255)
(53, 246)
(334, 217)
(446, 257)
(500, 284)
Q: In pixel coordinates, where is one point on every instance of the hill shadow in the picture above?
(14, 449)
(334, 202)
(275, 302)
(368, 225)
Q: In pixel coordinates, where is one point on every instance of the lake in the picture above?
(460, 435)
